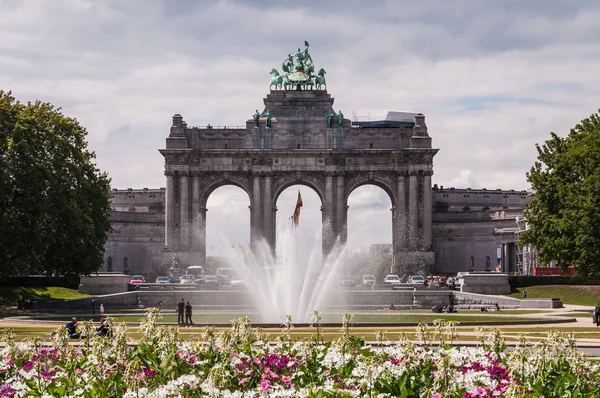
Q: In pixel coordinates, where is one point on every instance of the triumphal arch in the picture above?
(298, 138)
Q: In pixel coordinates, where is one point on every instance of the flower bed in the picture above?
(242, 363)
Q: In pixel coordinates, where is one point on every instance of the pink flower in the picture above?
(436, 395)
(265, 384)
(286, 379)
(243, 381)
(27, 365)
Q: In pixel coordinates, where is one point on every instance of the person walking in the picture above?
(597, 314)
(93, 306)
(20, 301)
(188, 314)
(524, 293)
(101, 309)
(180, 311)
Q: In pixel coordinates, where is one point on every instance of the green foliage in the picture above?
(564, 215)
(54, 202)
(524, 281)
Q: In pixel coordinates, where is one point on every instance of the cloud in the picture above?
(493, 78)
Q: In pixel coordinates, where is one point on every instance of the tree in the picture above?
(54, 202)
(564, 215)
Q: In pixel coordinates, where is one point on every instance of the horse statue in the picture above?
(320, 79)
(287, 83)
(276, 79)
(309, 83)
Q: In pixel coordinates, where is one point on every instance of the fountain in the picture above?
(295, 281)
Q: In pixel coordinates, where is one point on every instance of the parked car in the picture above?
(237, 281)
(347, 282)
(392, 279)
(211, 280)
(417, 280)
(187, 279)
(163, 279)
(368, 280)
(136, 280)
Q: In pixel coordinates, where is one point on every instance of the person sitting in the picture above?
(72, 329)
(104, 329)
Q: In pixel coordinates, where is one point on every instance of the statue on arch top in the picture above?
(256, 116)
(340, 119)
(269, 117)
(329, 116)
(298, 72)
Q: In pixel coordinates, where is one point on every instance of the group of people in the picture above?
(184, 308)
(103, 330)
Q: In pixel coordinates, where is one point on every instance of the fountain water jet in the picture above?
(293, 282)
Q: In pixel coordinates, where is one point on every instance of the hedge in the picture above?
(525, 281)
(71, 282)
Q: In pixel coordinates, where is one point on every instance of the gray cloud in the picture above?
(493, 78)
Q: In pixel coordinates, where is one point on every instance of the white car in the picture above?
(187, 279)
(392, 279)
(368, 280)
(416, 280)
(237, 281)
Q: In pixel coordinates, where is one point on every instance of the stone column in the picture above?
(427, 211)
(194, 229)
(170, 222)
(201, 235)
(184, 223)
(255, 211)
(399, 219)
(267, 226)
(413, 214)
(328, 217)
(340, 210)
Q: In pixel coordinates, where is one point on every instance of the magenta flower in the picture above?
(265, 384)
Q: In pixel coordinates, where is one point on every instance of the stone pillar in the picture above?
(267, 225)
(201, 235)
(427, 211)
(399, 220)
(184, 223)
(170, 222)
(255, 211)
(195, 229)
(341, 210)
(413, 214)
(328, 217)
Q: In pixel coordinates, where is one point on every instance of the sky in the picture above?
(492, 77)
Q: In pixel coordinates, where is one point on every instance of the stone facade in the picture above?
(300, 148)
(442, 228)
(136, 242)
(472, 226)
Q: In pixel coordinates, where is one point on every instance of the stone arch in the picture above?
(314, 182)
(382, 183)
(208, 189)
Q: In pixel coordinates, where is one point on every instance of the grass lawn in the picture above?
(9, 295)
(368, 333)
(226, 319)
(569, 294)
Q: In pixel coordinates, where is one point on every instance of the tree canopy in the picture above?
(564, 214)
(54, 202)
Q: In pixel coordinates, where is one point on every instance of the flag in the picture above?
(296, 216)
